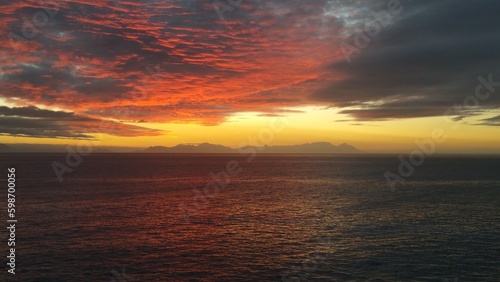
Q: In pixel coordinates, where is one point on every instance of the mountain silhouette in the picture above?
(206, 148)
(203, 148)
(311, 148)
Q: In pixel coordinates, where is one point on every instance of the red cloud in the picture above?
(170, 62)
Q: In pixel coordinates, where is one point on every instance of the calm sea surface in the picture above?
(120, 217)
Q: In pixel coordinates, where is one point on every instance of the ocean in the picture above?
(140, 217)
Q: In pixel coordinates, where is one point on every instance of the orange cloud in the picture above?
(165, 62)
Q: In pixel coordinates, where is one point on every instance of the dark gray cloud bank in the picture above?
(423, 63)
(35, 122)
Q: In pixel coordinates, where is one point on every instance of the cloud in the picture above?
(421, 65)
(157, 55)
(494, 121)
(36, 122)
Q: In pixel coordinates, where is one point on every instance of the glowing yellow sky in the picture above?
(313, 124)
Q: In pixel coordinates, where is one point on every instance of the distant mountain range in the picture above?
(206, 148)
(203, 148)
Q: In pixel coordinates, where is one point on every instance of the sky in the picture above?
(379, 75)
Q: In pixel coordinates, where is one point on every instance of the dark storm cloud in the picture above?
(35, 122)
(422, 64)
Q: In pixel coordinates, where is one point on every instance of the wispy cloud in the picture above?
(494, 121)
(36, 122)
